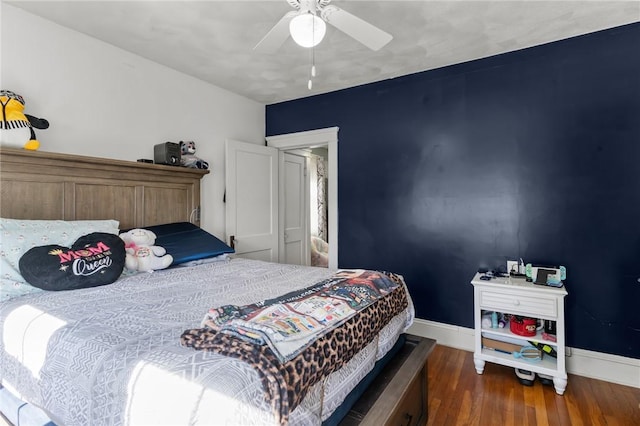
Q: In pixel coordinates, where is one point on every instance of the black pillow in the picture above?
(93, 260)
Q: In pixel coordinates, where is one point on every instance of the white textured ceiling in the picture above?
(214, 40)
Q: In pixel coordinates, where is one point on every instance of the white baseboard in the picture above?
(445, 334)
(596, 365)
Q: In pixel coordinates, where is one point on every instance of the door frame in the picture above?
(313, 138)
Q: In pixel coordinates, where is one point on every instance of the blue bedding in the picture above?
(187, 242)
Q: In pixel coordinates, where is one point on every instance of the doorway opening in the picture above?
(322, 144)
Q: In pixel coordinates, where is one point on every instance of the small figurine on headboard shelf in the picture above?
(16, 127)
(189, 159)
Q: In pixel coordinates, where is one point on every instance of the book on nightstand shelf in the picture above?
(504, 347)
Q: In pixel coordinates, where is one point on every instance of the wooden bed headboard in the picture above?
(46, 185)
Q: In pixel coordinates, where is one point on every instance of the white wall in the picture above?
(105, 102)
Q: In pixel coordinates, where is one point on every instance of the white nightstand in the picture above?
(519, 297)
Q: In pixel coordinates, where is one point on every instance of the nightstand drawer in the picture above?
(520, 304)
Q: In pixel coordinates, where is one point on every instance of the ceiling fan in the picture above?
(307, 28)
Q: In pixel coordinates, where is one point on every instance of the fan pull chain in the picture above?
(313, 56)
(312, 74)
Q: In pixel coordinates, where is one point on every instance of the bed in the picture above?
(114, 354)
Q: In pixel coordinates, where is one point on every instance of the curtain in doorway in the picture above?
(322, 199)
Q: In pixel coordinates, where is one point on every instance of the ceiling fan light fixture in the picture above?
(307, 29)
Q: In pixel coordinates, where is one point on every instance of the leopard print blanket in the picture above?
(286, 384)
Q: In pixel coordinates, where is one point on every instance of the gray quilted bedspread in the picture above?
(111, 355)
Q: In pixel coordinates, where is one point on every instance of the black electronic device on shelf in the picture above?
(167, 153)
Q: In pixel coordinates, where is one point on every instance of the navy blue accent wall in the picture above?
(532, 154)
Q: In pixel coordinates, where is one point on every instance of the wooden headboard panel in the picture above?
(45, 185)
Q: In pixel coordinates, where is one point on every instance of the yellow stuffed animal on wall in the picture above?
(16, 128)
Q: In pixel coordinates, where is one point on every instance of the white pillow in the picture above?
(17, 236)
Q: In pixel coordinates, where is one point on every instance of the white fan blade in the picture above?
(372, 37)
(277, 35)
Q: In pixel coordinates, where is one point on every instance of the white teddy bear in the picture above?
(142, 255)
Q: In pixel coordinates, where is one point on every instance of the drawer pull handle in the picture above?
(516, 302)
(408, 418)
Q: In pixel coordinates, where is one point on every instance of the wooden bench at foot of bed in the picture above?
(398, 396)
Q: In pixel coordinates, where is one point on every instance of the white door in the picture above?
(252, 200)
(294, 210)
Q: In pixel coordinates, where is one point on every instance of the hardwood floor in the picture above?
(460, 396)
